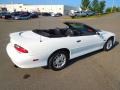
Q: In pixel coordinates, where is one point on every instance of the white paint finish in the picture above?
(42, 50)
(87, 44)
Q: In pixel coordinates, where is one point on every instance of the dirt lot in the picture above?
(96, 71)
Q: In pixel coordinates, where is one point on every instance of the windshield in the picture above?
(82, 28)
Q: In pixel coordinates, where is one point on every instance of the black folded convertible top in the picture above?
(52, 33)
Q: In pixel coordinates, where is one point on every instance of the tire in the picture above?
(108, 45)
(58, 60)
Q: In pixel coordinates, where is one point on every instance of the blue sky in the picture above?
(66, 2)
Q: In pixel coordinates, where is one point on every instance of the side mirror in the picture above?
(97, 33)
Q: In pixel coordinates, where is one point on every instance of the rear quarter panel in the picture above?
(46, 48)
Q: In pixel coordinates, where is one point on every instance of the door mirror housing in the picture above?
(97, 33)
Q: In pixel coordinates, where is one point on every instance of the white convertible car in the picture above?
(55, 47)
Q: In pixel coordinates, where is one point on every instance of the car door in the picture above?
(86, 42)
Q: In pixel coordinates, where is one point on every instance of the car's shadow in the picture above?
(87, 56)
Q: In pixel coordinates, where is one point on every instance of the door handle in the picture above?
(78, 41)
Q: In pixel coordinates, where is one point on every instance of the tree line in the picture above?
(97, 6)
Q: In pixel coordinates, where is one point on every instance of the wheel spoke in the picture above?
(109, 44)
(59, 61)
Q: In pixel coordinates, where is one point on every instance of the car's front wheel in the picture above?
(108, 45)
(58, 60)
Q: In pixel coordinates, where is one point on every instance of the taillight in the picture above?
(20, 49)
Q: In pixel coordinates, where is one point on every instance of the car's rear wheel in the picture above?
(58, 60)
(108, 45)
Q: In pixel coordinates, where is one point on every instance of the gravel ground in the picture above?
(96, 71)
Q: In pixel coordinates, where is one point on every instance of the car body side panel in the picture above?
(46, 48)
(42, 50)
(87, 45)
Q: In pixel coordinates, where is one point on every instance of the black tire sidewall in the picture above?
(51, 60)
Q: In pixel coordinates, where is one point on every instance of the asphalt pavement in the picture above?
(96, 71)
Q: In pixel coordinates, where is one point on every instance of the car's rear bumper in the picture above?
(23, 60)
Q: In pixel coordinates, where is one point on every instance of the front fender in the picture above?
(105, 35)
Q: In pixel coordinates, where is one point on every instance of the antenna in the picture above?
(39, 29)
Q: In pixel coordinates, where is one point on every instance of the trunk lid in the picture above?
(27, 37)
(29, 34)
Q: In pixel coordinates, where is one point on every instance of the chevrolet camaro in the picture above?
(55, 47)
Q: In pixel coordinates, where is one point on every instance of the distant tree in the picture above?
(97, 6)
(113, 9)
(94, 5)
(118, 9)
(108, 10)
(101, 6)
(85, 4)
